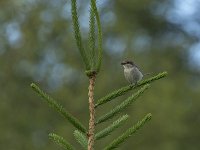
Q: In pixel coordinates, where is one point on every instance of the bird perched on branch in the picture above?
(131, 72)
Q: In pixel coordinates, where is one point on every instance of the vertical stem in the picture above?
(92, 113)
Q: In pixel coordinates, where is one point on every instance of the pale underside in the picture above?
(133, 75)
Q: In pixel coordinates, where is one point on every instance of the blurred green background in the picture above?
(37, 45)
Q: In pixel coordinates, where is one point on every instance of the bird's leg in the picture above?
(136, 83)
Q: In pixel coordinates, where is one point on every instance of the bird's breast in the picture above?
(133, 75)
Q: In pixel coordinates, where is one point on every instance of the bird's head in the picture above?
(127, 64)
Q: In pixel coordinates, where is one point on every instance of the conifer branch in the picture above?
(91, 41)
(59, 108)
(61, 141)
(77, 34)
(116, 124)
(125, 89)
(100, 51)
(115, 143)
(123, 105)
(81, 139)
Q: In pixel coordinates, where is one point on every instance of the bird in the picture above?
(131, 72)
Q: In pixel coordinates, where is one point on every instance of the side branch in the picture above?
(61, 141)
(59, 108)
(125, 89)
(99, 59)
(77, 34)
(115, 143)
(92, 113)
(123, 105)
(81, 139)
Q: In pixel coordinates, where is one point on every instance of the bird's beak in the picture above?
(123, 63)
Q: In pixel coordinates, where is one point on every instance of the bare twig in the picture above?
(92, 113)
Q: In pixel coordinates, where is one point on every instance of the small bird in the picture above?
(131, 72)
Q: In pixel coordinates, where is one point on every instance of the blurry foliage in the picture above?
(36, 43)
